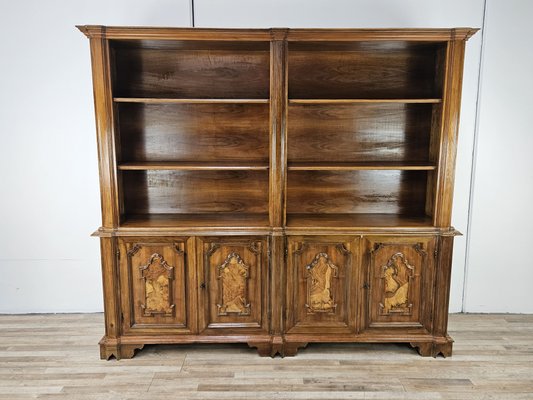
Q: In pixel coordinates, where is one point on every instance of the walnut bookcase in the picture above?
(276, 187)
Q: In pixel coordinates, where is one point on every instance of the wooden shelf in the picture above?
(357, 101)
(192, 166)
(153, 100)
(356, 221)
(215, 220)
(322, 166)
(319, 166)
(242, 220)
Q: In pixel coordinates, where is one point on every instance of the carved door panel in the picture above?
(400, 281)
(321, 290)
(232, 282)
(156, 283)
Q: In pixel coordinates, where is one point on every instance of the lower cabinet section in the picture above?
(233, 281)
(157, 286)
(321, 284)
(400, 281)
(336, 288)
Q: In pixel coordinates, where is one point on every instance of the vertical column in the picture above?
(442, 285)
(278, 170)
(110, 343)
(449, 132)
(442, 342)
(103, 104)
(278, 118)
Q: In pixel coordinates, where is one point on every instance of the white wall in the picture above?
(500, 264)
(49, 203)
(50, 200)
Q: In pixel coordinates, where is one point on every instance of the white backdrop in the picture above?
(500, 265)
(50, 201)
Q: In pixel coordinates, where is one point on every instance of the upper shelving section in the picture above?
(361, 133)
(190, 71)
(277, 128)
(399, 71)
(192, 132)
(181, 133)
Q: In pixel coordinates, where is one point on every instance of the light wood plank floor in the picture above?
(56, 357)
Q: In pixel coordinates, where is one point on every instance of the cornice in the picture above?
(160, 33)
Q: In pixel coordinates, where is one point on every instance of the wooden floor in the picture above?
(56, 357)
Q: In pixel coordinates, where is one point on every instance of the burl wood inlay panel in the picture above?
(321, 284)
(158, 277)
(397, 275)
(320, 273)
(232, 283)
(401, 278)
(232, 276)
(155, 283)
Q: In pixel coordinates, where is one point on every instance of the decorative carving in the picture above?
(377, 247)
(255, 247)
(212, 248)
(397, 276)
(178, 249)
(158, 277)
(134, 249)
(299, 247)
(232, 288)
(419, 248)
(319, 293)
(342, 249)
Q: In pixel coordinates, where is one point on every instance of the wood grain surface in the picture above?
(363, 73)
(381, 191)
(166, 192)
(194, 132)
(163, 73)
(378, 132)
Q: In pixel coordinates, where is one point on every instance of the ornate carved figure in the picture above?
(232, 275)
(319, 293)
(157, 277)
(396, 274)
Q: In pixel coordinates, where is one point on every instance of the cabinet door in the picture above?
(233, 284)
(321, 290)
(156, 283)
(400, 281)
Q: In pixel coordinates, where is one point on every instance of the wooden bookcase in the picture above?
(276, 187)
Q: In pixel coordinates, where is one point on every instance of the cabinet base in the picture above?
(270, 348)
(113, 348)
(290, 349)
(433, 349)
